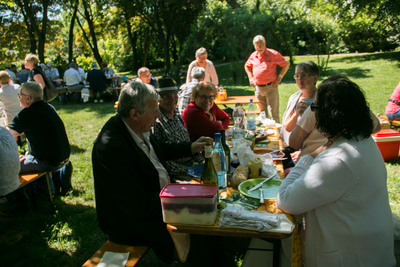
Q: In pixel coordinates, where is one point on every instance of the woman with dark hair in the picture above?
(339, 191)
(202, 116)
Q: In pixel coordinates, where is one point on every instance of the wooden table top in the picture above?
(243, 99)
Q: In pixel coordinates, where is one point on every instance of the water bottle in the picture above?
(3, 115)
(238, 118)
(219, 161)
(251, 119)
(227, 151)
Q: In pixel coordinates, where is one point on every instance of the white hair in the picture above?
(259, 38)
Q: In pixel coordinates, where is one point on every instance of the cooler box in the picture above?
(388, 141)
(189, 203)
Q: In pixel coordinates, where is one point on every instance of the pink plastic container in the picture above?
(189, 203)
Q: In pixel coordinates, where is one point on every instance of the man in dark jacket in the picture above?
(128, 169)
(97, 81)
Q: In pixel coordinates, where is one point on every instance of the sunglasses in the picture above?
(313, 107)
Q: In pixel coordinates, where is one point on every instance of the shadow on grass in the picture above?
(76, 150)
(102, 109)
(393, 56)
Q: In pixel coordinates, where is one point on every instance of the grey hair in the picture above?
(201, 51)
(198, 73)
(141, 70)
(135, 95)
(33, 89)
(73, 65)
(309, 66)
(259, 38)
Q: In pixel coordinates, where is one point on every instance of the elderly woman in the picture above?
(202, 61)
(339, 191)
(203, 117)
(32, 63)
(306, 76)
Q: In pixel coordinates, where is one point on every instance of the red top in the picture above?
(199, 124)
(264, 66)
(393, 107)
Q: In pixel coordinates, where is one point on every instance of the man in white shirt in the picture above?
(82, 74)
(72, 78)
(55, 74)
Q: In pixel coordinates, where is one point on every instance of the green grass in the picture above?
(72, 235)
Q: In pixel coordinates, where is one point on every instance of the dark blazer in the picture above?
(97, 80)
(127, 188)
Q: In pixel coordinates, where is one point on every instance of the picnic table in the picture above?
(243, 99)
(215, 230)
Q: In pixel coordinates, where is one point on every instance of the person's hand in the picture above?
(252, 83)
(301, 107)
(219, 121)
(21, 158)
(295, 155)
(277, 81)
(198, 145)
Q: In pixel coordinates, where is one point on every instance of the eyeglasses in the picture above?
(205, 98)
(169, 97)
(21, 94)
(302, 77)
(313, 107)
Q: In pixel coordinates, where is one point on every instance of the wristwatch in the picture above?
(280, 75)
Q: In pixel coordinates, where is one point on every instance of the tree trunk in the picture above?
(146, 46)
(71, 33)
(92, 33)
(132, 40)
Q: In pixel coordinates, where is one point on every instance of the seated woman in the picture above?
(392, 110)
(202, 61)
(306, 76)
(203, 117)
(341, 186)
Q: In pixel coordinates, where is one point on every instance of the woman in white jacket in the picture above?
(339, 191)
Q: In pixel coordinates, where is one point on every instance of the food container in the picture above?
(189, 203)
(388, 142)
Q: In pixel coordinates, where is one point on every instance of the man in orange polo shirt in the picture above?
(261, 70)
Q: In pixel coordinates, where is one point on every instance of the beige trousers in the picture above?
(269, 100)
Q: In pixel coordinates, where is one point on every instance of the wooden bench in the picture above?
(392, 124)
(136, 254)
(27, 179)
(63, 93)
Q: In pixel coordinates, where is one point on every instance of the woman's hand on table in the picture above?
(21, 158)
(198, 145)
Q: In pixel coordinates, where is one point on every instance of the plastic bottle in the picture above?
(219, 161)
(238, 118)
(251, 119)
(208, 175)
(3, 115)
(227, 155)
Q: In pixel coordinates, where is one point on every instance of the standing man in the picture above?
(144, 76)
(128, 170)
(261, 70)
(97, 81)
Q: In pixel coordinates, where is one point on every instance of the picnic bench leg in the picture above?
(49, 189)
(276, 251)
(32, 197)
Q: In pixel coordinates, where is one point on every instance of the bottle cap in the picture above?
(238, 104)
(208, 141)
(217, 135)
(251, 101)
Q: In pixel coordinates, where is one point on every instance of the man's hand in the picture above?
(277, 81)
(198, 145)
(252, 83)
(21, 158)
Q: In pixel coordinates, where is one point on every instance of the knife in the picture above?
(260, 184)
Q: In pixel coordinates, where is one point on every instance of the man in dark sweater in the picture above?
(97, 81)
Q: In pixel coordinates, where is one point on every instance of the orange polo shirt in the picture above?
(264, 66)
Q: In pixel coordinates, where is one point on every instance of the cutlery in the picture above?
(275, 151)
(261, 195)
(260, 184)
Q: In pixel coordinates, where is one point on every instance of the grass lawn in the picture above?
(72, 235)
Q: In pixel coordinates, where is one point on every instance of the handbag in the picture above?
(49, 92)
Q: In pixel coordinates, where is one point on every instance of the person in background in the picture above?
(203, 117)
(72, 78)
(144, 76)
(82, 74)
(23, 74)
(340, 186)
(169, 128)
(185, 95)
(14, 69)
(108, 71)
(202, 61)
(10, 166)
(126, 159)
(97, 81)
(54, 75)
(13, 77)
(392, 110)
(32, 63)
(9, 95)
(261, 70)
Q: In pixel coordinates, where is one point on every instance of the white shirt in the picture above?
(151, 154)
(82, 73)
(72, 77)
(54, 72)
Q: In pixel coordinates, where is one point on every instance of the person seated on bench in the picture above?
(9, 162)
(9, 95)
(72, 78)
(144, 76)
(128, 169)
(392, 110)
(170, 128)
(49, 148)
(97, 81)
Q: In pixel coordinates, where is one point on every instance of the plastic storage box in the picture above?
(189, 203)
(388, 141)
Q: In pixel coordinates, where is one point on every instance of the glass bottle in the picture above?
(227, 155)
(219, 161)
(208, 175)
(251, 119)
(238, 118)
